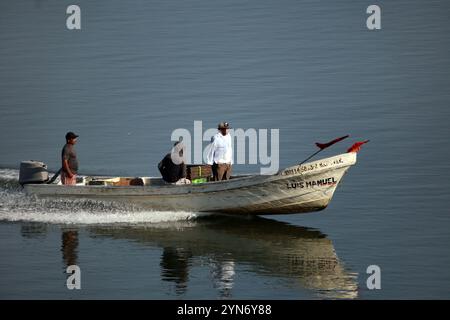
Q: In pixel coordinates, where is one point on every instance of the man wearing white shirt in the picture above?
(220, 155)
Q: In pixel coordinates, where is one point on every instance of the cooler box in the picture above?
(199, 172)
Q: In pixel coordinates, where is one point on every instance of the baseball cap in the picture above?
(71, 135)
(224, 125)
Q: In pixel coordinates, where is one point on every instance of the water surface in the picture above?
(140, 69)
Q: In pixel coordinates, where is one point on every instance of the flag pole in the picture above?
(323, 146)
(310, 157)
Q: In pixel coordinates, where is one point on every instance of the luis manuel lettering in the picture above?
(309, 184)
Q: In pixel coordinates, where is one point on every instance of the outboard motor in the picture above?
(33, 172)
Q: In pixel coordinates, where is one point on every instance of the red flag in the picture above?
(356, 146)
(326, 145)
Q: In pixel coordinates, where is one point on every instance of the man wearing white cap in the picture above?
(220, 155)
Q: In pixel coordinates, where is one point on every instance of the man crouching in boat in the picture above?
(220, 155)
(69, 160)
(173, 167)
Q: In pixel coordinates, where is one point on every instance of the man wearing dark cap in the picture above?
(69, 160)
(220, 155)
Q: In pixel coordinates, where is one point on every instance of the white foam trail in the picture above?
(15, 205)
(83, 217)
(9, 174)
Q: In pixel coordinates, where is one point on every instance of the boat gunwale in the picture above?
(203, 188)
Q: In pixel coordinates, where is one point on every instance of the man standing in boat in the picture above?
(69, 160)
(220, 155)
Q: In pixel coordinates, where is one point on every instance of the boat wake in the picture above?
(15, 205)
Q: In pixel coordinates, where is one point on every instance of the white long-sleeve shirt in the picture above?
(221, 150)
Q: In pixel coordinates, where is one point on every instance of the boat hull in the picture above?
(297, 189)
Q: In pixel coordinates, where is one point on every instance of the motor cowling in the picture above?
(33, 172)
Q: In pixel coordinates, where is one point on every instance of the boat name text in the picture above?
(310, 184)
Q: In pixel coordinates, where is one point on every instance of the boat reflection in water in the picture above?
(69, 247)
(304, 257)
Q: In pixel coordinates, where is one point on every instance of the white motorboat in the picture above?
(297, 189)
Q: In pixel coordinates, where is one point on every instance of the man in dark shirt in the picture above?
(69, 160)
(172, 166)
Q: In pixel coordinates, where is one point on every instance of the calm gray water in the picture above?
(140, 69)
